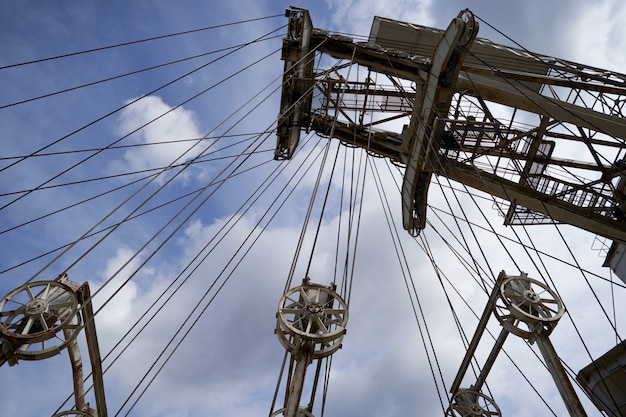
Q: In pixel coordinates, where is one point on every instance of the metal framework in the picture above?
(543, 135)
(311, 322)
(528, 309)
(40, 319)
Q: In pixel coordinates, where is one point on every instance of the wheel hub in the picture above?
(476, 410)
(314, 308)
(531, 296)
(36, 308)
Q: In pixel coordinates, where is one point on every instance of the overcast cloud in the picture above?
(218, 326)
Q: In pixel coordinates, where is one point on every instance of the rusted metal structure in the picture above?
(545, 136)
(40, 319)
(502, 120)
(311, 322)
(542, 135)
(528, 309)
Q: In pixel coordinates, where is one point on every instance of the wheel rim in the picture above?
(468, 403)
(302, 412)
(72, 413)
(314, 314)
(530, 300)
(526, 305)
(37, 311)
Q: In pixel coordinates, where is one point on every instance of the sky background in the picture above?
(228, 361)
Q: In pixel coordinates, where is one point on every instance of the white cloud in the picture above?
(356, 16)
(162, 124)
(229, 362)
(596, 35)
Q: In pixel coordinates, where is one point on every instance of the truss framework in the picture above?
(544, 136)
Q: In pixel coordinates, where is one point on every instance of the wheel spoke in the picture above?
(27, 327)
(293, 310)
(43, 322)
(29, 293)
(317, 296)
(14, 301)
(335, 312)
(45, 293)
(321, 325)
(298, 319)
(514, 295)
(293, 302)
(58, 336)
(305, 296)
(15, 312)
(60, 305)
(517, 286)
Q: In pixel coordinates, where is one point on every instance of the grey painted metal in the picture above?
(527, 307)
(33, 316)
(73, 413)
(303, 412)
(535, 304)
(77, 370)
(520, 194)
(452, 131)
(313, 313)
(93, 347)
(297, 81)
(439, 88)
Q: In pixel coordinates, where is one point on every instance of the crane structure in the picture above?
(526, 308)
(40, 319)
(542, 135)
(310, 324)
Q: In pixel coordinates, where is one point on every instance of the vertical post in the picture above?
(297, 383)
(563, 384)
(296, 97)
(94, 350)
(77, 369)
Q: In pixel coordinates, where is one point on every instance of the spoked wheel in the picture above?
(302, 412)
(471, 27)
(33, 316)
(73, 413)
(312, 314)
(525, 303)
(468, 403)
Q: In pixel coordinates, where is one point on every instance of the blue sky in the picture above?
(229, 361)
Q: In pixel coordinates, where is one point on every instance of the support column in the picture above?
(563, 384)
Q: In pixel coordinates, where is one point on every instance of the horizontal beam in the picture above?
(516, 95)
(524, 196)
